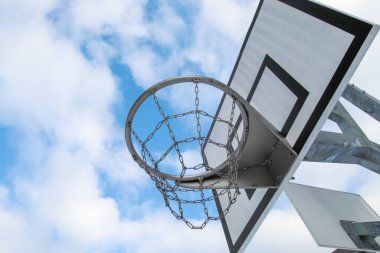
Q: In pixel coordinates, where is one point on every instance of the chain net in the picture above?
(177, 197)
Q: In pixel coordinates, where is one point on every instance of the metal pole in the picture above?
(350, 251)
(363, 100)
(363, 234)
(352, 145)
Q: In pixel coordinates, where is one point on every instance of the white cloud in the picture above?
(284, 231)
(369, 192)
(326, 175)
(208, 40)
(117, 163)
(46, 81)
(216, 38)
(65, 195)
(16, 234)
(72, 225)
(166, 26)
(60, 103)
(159, 232)
(227, 17)
(145, 65)
(96, 17)
(100, 51)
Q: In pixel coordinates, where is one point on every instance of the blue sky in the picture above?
(70, 71)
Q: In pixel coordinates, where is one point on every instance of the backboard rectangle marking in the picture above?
(296, 88)
(250, 193)
(234, 247)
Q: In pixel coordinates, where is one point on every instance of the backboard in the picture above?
(322, 209)
(296, 60)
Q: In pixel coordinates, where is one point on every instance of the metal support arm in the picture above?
(363, 234)
(352, 145)
(363, 100)
(350, 251)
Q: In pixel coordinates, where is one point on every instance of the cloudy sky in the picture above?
(70, 71)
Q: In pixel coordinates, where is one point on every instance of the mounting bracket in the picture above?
(363, 234)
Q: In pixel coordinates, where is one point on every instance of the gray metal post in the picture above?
(363, 234)
(362, 100)
(352, 145)
(350, 251)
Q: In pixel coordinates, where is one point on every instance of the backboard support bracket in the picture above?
(265, 169)
(273, 170)
(363, 234)
(351, 251)
(352, 145)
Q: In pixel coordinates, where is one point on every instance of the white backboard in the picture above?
(296, 60)
(321, 210)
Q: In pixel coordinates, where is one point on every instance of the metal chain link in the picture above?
(170, 190)
(180, 157)
(197, 116)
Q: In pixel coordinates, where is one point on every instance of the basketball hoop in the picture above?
(174, 186)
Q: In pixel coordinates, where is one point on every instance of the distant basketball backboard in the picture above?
(323, 209)
(296, 60)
